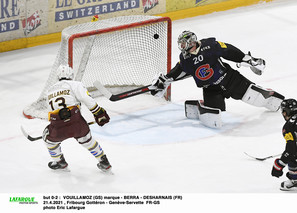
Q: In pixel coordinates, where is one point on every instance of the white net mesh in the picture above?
(127, 57)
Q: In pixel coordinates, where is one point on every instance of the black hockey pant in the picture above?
(234, 85)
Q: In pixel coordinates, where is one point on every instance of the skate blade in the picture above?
(293, 189)
(61, 170)
(107, 172)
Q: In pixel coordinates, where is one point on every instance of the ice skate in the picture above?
(289, 185)
(104, 164)
(59, 165)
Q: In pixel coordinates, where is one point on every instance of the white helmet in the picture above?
(186, 40)
(65, 72)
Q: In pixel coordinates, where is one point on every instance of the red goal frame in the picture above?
(127, 26)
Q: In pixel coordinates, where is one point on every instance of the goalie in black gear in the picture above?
(289, 156)
(201, 59)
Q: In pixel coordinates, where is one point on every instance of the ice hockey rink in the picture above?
(153, 148)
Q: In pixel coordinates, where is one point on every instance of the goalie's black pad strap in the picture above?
(191, 102)
(266, 93)
(202, 109)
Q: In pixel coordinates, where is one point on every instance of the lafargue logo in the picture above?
(23, 200)
(149, 4)
(204, 72)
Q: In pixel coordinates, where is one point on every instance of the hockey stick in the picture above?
(120, 96)
(30, 138)
(85, 58)
(262, 159)
(126, 94)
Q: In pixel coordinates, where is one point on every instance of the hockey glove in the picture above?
(277, 169)
(257, 65)
(159, 85)
(101, 116)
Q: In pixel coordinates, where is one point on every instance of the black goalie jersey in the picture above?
(206, 66)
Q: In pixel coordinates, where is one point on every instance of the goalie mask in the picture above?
(186, 40)
(65, 72)
(289, 108)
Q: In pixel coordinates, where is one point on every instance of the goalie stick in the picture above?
(105, 92)
(30, 138)
(120, 96)
(262, 159)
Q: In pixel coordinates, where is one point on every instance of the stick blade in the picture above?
(28, 136)
(24, 132)
(262, 159)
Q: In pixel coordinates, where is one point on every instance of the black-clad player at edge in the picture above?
(201, 59)
(289, 156)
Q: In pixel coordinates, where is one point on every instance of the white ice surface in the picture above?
(152, 147)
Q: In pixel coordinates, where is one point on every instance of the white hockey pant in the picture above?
(54, 148)
(210, 117)
(260, 97)
(92, 145)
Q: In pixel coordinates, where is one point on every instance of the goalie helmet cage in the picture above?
(123, 53)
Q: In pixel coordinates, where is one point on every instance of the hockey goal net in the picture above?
(123, 53)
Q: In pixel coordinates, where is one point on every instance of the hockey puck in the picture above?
(156, 36)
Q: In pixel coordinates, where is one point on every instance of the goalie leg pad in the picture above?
(208, 116)
(260, 97)
(191, 109)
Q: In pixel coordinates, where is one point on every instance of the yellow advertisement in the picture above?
(25, 23)
(174, 5)
(22, 18)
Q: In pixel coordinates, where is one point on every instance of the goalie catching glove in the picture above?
(159, 85)
(100, 115)
(257, 65)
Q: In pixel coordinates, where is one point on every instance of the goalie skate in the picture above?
(289, 185)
